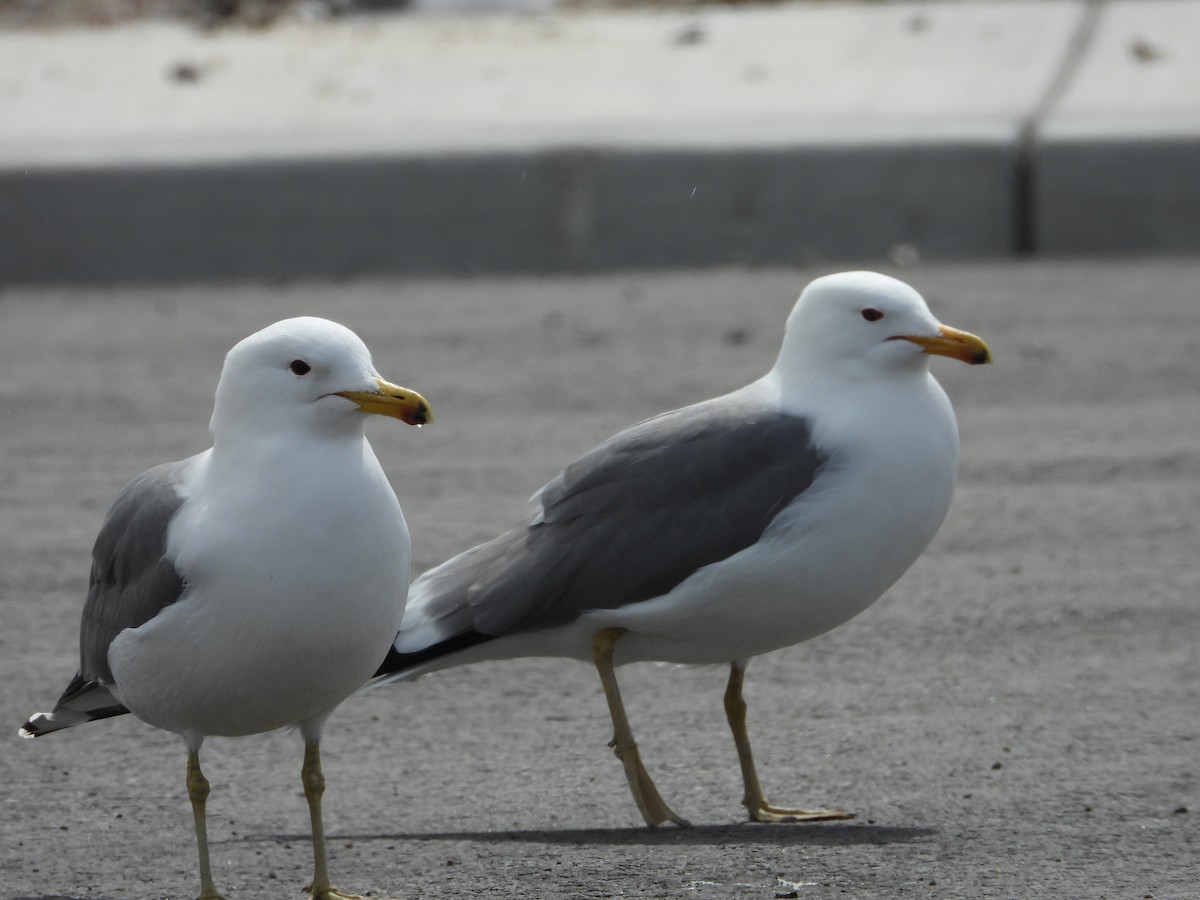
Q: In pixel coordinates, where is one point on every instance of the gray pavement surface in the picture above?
(1017, 718)
(580, 141)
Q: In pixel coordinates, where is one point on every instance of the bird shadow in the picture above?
(829, 834)
(833, 834)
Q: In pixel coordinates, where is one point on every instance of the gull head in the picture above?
(310, 375)
(862, 325)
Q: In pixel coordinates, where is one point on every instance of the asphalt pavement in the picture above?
(1016, 718)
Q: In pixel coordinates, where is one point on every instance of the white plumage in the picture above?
(727, 529)
(257, 584)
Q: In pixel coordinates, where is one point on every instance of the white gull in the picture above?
(727, 529)
(258, 584)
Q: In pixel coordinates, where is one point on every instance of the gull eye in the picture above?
(871, 314)
(300, 367)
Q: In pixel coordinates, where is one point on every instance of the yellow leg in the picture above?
(754, 801)
(314, 787)
(652, 807)
(197, 786)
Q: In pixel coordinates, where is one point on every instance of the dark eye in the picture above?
(871, 314)
(300, 367)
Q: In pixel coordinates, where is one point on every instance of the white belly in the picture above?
(847, 539)
(269, 632)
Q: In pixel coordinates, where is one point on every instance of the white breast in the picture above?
(870, 513)
(271, 631)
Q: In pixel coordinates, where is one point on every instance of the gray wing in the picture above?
(634, 517)
(131, 580)
(131, 583)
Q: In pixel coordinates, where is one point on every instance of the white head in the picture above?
(863, 325)
(309, 375)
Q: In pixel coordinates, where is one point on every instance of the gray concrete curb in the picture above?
(550, 211)
(600, 141)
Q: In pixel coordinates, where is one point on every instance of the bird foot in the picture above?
(668, 818)
(654, 809)
(777, 816)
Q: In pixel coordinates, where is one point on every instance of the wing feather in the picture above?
(131, 582)
(624, 523)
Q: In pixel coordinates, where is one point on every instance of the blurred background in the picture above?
(555, 218)
(197, 140)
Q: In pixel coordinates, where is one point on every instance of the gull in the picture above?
(255, 585)
(724, 530)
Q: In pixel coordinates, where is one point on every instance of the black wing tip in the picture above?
(396, 662)
(44, 723)
(84, 700)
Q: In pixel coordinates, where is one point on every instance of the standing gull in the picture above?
(255, 585)
(723, 530)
